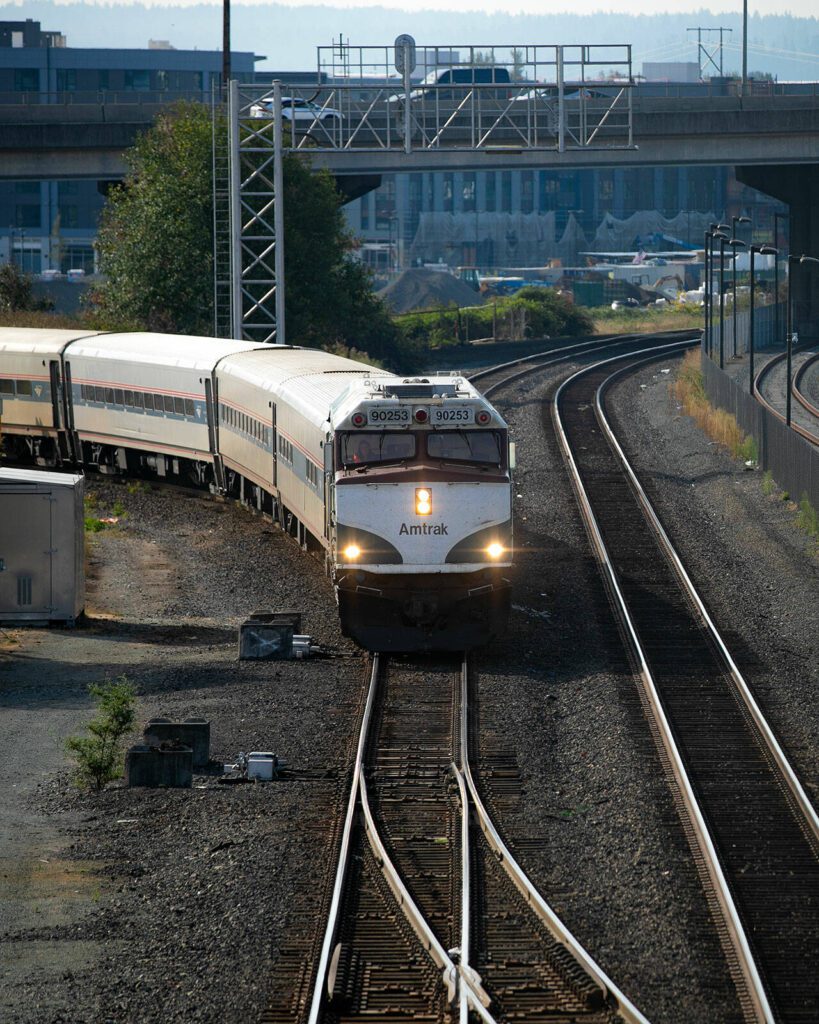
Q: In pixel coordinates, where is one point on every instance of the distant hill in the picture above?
(782, 45)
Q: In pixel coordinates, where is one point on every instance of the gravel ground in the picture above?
(148, 905)
(171, 905)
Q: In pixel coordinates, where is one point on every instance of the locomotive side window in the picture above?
(465, 446)
(368, 448)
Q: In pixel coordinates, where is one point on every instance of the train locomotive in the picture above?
(404, 482)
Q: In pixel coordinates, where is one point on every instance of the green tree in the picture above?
(155, 238)
(156, 246)
(16, 291)
(99, 756)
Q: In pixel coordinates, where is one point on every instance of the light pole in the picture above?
(764, 250)
(734, 243)
(777, 218)
(791, 261)
(712, 233)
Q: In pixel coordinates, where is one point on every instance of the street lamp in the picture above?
(789, 328)
(712, 233)
(777, 218)
(763, 250)
(733, 243)
(723, 238)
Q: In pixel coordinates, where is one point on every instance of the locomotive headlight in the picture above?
(423, 501)
(352, 552)
(495, 551)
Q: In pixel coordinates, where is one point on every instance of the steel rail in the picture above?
(615, 997)
(760, 397)
(789, 775)
(325, 958)
(559, 354)
(753, 983)
(601, 341)
(797, 392)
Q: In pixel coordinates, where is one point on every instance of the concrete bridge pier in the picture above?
(798, 186)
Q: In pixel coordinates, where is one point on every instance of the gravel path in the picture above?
(149, 905)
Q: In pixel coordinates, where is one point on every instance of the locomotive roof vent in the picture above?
(420, 387)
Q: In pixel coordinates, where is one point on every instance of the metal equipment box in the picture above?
(42, 547)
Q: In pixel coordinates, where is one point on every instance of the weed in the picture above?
(99, 756)
(91, 501)
(749, 450)
(718, 424)
(118, 509)
(768, 485)
(137, 486)
(93, 525)
(807, 517)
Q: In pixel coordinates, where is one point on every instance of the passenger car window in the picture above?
(368, 448)
(6, 387)
(23, 387)
(465, 446)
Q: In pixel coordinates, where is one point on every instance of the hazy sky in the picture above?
(798, 8)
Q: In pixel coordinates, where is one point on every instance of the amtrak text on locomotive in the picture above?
(427, 528)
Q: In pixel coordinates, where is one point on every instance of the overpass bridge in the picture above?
(87, 140)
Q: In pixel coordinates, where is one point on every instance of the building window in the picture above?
(449, 193)
(429, 200)
(491, 203)
(27, 215)
(468, 192)
(527, 192)
(138, 81)
(102, 79)
(26, 80)
(365, 212)
(506, 191)
(27, 188)
(547, 188)
(66, 80)
(69, 215)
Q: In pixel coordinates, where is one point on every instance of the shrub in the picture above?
(99, 756)
(807, 518)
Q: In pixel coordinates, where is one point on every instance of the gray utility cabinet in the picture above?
(42, 546)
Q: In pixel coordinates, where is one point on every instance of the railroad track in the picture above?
(753, 832)
(771, 393)
(431, 917)
(807, 379)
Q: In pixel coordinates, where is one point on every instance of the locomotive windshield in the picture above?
(465, 446)
(381, 446)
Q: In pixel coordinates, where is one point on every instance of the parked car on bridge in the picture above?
(300, 111)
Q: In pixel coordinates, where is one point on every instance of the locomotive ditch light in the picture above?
(495, 551)
(482, 418)
(352, 552)
(359, 419)
(423, 501)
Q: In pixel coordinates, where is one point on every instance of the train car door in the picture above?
(329, 488)
(68, 405)
(212, 413)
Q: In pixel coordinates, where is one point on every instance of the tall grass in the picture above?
(718, 424)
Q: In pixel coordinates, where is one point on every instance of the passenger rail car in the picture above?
(404, 482)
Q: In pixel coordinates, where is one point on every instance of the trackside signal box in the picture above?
(42, 547)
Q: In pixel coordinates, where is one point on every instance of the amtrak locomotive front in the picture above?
(422, 524)
(403, 482)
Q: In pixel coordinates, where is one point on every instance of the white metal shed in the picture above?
(42, 547)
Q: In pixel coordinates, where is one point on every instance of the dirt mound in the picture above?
(418, 289)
